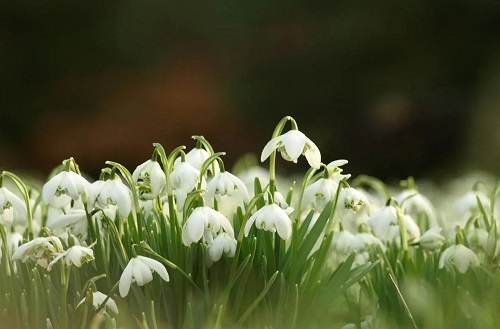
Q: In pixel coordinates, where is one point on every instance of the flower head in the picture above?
(39, 250)
(226, 184)
(291, 145)
(458, 256)
(98, 298)
(223, 243)
(431, 239)
(205, 222)
(140, 269)
(76, 255)
(63, 187)
(12, 209)
(111, 192)
(271, 218)
(150, 179)
(319, 193)
(196, 158)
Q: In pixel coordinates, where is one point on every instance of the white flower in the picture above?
(366, 241)
(279, 199)
(271, 218)
(149, 179)
(458, 256)
(76, 255)
(353, 200)
(111, 192)
(184, 178)
(223, 243)
(64, 183)
(431, 239)
(225, 183)
(98, 298)
(319, 193)
(73, 220)
(417, 205)
(205, 222)
(39, 250)
(13, 240)
(384, 223)
(342, 242)
(335, 172)
(140, 269)
(12, 209)
(196, 158)
(291, 145)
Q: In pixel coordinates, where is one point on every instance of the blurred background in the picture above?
(396, 87)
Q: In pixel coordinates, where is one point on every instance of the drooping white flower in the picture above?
(150, 179)
(226, 184)
(417, 205)
(205, 222)
(385, 225)
(140, 269)
(271, 218)
(13, 240)
(98, 298)
(458, 256)
(342, 242)
(184, 179)
(196, 158)
(291, 145)
(66, 183)
(12, 209)
(279, 199)
(353, 200)
(319, 193)
(71, 220)
(76, 255)
(39, 250)
(335, 172)
(222, 243)
(111, 192)
(431, 239)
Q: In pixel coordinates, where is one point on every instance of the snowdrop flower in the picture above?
(271, 218)
(223, 243)
(196, 158)
(417, 205)
(150, 179)
(98, 298)
(184, 179)
(365, 241)
(140, 269)
(279, 199)
(76, 255)
(431, 239)
(224, 183)
(291, 145)
(39, 250)
(205, 222)
(342, 242)
(319, 193)
(111, 192)
(13, 240)
(335, 172)
(12, 209)
(73, 220)
(458, 256)
(353, 200)
(67, 185)
(384, 223)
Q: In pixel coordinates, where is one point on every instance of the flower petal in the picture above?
(156, 266)
(126, 279)
(270, 147)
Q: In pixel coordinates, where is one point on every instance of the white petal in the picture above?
(195, 225)
(313, 155)
(294, 142)
(50, 188)
(126, 279)
(156, 266)
(141, 272)
(251, 220)
(270, 147)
